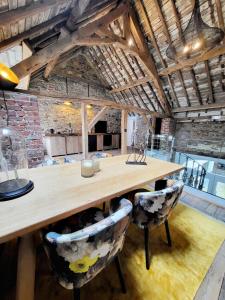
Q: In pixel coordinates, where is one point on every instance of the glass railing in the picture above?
(204, 173)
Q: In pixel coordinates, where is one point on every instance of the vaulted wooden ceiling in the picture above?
(125, 41)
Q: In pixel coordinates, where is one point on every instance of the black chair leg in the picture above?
(147, 248)
(103, 207)
(168, 233)
(120, 274)
(76, 294)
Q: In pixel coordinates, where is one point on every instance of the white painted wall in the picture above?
(130, 123)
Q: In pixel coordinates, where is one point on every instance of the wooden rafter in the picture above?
(20, 13)
(80, 37)
(211, 96)
(101, 66)
(17, 39)
(155, 44)
(83, 36)
(147, 59)
(182, 39)
(199, 107)
(50, 66)
(167, 33)
(93, 66)
(131, 84)
(148, 83)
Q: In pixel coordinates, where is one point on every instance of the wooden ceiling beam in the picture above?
(50, 66)
(199, 107)
(93, 101)
(207, 55)
(20, 13)
(147, 60)
(79, 37)
(17, 39)
(130, 85)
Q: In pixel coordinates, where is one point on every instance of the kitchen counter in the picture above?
(71, 143)
(76, 134)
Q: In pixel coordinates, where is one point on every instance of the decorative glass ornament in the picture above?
(13, 156)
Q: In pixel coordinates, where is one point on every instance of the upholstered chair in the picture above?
(154, 208)
(83, 245)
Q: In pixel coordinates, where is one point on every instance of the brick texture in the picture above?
(168, 126)
(23, 116)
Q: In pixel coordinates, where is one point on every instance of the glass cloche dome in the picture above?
(13, 156)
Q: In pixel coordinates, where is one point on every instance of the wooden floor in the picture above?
(212, 288)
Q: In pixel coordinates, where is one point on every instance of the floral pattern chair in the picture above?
(154, 208)
(81, 246)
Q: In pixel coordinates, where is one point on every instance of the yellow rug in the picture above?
(175, 274)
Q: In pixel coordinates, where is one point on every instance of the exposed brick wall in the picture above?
(23, 116)
(168, 126)
(206, 138)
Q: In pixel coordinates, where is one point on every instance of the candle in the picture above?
(87, 168)
(96, 163)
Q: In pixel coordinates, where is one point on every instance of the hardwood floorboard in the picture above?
(210, 288)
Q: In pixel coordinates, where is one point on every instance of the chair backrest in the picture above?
(78, 257)
(154, 207)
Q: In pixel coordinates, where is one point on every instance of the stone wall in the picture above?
(62, 117)
(23, 116)
(54, 114)
(207, 138)
(62, 86)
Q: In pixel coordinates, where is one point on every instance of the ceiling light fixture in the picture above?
(8, 79)
(130, 42)
(197, 37)
(68, 103)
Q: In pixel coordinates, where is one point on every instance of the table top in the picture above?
(60, 191)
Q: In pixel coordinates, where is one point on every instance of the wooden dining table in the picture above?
(59, 192)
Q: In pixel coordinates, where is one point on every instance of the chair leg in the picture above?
(147, 248)
(168, 233)
(103, 206)
(120, 274)
(76, 294)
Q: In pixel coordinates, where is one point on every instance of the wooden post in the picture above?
(84, 130)
(26, 268)
(124, 132)
(153, 123)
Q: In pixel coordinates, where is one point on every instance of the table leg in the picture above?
(26, 268)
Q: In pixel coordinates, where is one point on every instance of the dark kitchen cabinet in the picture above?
(92, 143)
